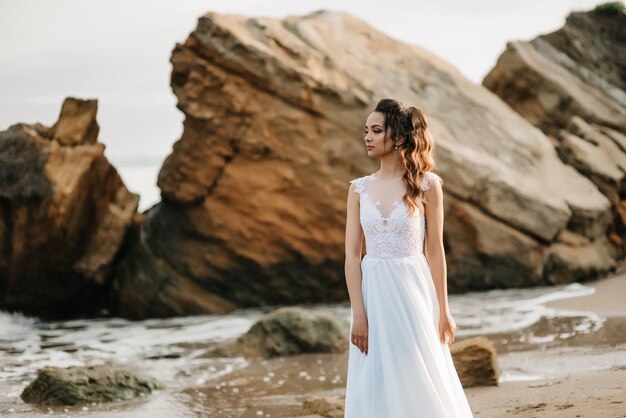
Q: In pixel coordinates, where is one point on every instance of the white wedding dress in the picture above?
(407, 372)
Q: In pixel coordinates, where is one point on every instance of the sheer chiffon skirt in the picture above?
(407, 372)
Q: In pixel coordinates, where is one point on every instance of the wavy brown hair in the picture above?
(409, 128)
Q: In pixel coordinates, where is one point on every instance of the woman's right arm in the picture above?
(354, 243)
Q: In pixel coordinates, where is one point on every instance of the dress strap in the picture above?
(359, 184)
(428, 179)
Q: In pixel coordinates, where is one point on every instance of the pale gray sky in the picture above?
(118, 51)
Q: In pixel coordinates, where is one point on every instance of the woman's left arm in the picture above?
(433, 247)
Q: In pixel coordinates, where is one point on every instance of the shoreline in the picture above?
(596, 394)
(607, 300)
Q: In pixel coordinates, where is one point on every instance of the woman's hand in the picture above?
(359, 331)
(447, 327)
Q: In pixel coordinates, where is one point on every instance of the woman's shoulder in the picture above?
(428, 179)
(359, 183)
(357, 180)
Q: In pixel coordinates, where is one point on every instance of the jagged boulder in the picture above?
(254, 191)
(64, 214)
(570, 83)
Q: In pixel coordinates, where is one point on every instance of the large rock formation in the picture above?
(64, 214)
(571, 84)
(254, 192)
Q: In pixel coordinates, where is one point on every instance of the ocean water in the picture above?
(27, 343)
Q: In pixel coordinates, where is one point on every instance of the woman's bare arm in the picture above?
(354, 242)
(433, 247)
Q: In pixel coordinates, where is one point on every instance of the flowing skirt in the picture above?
(407, 372)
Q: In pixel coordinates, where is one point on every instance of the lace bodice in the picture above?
(389, 230)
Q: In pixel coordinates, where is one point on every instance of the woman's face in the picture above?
(375, 135)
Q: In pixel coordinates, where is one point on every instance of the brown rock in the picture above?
(476, 362)
(484, 252)
(570, 83)
(77, 123)
(254, 191)
(323, 406)
(65, 212)
(565, 263)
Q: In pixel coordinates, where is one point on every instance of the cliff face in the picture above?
(64, 214)
(572, 85)
(254, 192)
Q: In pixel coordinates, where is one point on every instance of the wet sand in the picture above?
(597, 394)
(593, 395)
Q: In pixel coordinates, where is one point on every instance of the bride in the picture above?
(399, 363)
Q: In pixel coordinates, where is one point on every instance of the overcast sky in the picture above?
(118, 52)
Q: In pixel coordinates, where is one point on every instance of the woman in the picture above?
(399, 364)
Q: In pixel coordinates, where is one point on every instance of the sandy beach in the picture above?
(594, 395)
(598, 394)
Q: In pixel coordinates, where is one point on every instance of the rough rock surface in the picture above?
(288, 331)
(476, 362)
(85, 384)
(64, 214)
(570, 83)
(323, 406)
(254, 192)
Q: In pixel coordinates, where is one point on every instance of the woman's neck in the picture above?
(390, 173)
